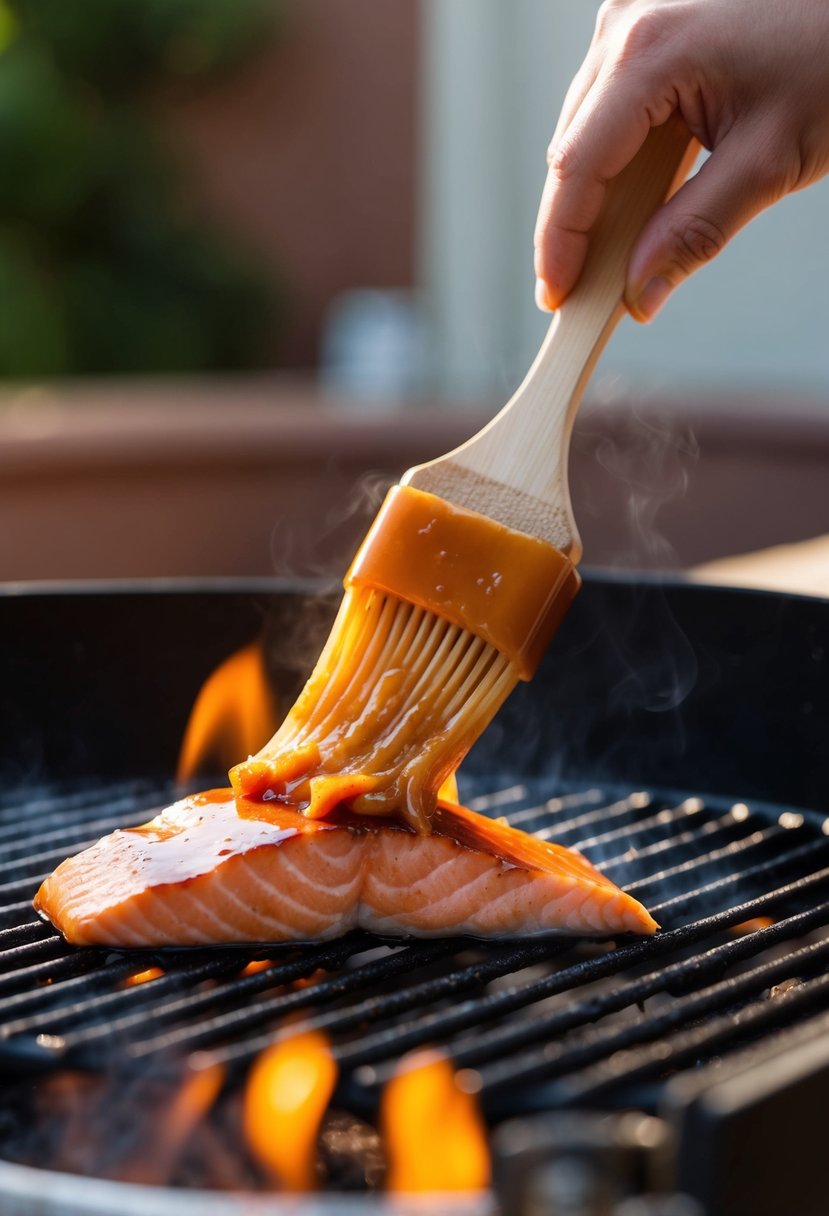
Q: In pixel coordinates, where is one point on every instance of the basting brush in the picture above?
(467, 570)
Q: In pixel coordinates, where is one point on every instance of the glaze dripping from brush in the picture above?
(445, 610)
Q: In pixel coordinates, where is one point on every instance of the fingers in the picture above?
(602, 138)
(579, 88)
(735, 183)
(749, 80)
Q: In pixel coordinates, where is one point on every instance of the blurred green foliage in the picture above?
(101, 268)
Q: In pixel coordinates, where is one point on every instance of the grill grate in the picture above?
(545, 1023)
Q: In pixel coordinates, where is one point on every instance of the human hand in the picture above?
(751, 80)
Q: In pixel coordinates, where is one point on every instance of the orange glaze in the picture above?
(444, 611)
(194, 842)
(504, 586)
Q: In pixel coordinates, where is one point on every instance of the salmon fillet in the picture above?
(213, 869)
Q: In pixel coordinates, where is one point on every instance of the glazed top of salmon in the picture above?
(199, 833)
(203, 830)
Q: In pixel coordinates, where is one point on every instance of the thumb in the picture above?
(737, 181)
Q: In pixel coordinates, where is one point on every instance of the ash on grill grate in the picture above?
(545, 1022)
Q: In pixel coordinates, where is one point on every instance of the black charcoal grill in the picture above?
(677, 734)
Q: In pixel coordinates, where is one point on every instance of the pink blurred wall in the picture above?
(309, 153)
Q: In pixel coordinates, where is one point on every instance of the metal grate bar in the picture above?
(49, 947)
(745, 844)
(688, 1046)
(12, 914)
(558, 1059)
(33, 827)
(687, 843)
(137, 995)
(495, 800)
(427, 992)
(209, 967)
(631, 832)
(17, 935)
(602, 814)
(217, 1029)
(79, 836)
(688, 871)
(672, 979)
(684, 844)
(497, 1005)
(69, 840)
(812, 852)
(22, 886)
(53, 806)
(94, 980)
(40, 978)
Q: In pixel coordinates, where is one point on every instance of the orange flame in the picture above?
(255, 965)
(234, 713)
(143, 977)
(195, 1097)
(287, 1093)
(432, 1128)
(308, 981)
(752, 926)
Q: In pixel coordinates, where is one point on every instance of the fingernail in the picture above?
(541, 298)
(651, 298)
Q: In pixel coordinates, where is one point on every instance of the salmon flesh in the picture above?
(213, 869)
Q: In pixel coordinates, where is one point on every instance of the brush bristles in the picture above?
(397, 698)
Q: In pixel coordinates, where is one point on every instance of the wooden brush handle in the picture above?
(515, 469)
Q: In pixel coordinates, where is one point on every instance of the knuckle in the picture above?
(694, 241)
(646, 30)
(604, 17)
(563, 159)
(608, 11)
(807, 163)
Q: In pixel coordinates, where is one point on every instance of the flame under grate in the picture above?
(544, 1023)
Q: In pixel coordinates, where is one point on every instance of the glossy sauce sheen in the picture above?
(198, 833)
(504, 586)
(207, 871)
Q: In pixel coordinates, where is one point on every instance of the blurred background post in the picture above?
(259, 256)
